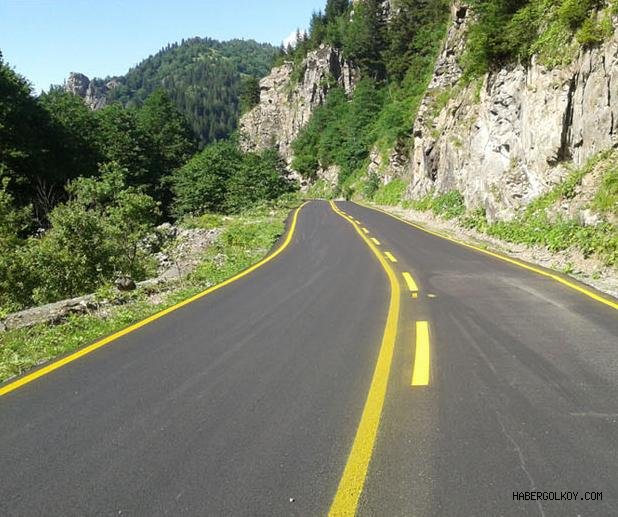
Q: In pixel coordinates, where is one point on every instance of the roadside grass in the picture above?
(391, 193)
(536, 225)
(245, 239)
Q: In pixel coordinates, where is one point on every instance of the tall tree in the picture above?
(365, 38)
(172, 136)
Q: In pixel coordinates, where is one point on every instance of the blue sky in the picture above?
(44, 40)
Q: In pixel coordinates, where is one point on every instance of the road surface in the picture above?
(370, 367)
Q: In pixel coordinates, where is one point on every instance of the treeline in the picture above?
(204, 79)
(81, 191)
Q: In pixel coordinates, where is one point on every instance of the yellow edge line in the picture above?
(557, 278)
(26, 379)
(410, 282)
(390, 256)
(353, 477)
(420, 373)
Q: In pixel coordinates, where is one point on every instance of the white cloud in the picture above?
(291, 39)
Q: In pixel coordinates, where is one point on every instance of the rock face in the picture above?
(506, 141)
(286, 106)
(94, 93)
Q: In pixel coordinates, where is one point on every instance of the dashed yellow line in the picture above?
(355, 472)
(557, 278)
(420, 373)
(365, 230)
(26, 379)
(412, 287)
(390, 256)
(375, 241)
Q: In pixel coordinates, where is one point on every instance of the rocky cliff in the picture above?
(93, 92)
(509, 138)
(286, 104)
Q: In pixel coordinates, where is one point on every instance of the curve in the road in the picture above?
(28, 378)
(355, 472)
(553, 276)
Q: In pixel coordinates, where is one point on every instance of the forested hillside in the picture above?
(81, 190)
(474, 110)
(203, 77)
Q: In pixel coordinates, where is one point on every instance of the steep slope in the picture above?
(511, 135)
(202, 76)
(286, 104)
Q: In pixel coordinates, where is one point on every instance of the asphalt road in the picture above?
(249, 400)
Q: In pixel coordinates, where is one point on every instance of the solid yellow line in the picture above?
(375, 241)
(365, 230)
(557, 278)
(355, 472)
(390, 256)
(420, 373)
(26, 379)
(410, 282)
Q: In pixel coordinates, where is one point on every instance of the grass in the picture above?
(245, 240)
(391, 193)
(535, 227)
(448, 206)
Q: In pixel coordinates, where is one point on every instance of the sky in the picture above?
(45, 40)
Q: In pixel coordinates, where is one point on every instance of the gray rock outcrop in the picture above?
(286, 105)
(93, 92)
(508, 140)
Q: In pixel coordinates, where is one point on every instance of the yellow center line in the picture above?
(420, 373)
(390, 256)
(26, 379)
(365, 230)
(410, 282)
(375, 241)
(355, 472)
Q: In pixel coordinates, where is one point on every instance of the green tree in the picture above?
(125, 141)
(201, 185)
(249, 93)
(169, 130)
(365, 38)
(335, 8)
(94, 237)
(261, 177)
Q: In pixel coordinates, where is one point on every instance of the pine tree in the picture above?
(365, 38)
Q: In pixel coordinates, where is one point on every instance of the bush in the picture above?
(94, 237)
(260, 177)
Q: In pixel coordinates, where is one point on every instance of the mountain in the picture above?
(202, 76)
(499, 114)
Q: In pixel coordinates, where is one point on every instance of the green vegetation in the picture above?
(223, 179)
(507, 30)
(396, 61)
(606, 199)
(246, 239)
(535, 225)
(207, 81)
(391, 193)
(80, 191)
(448, 206)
